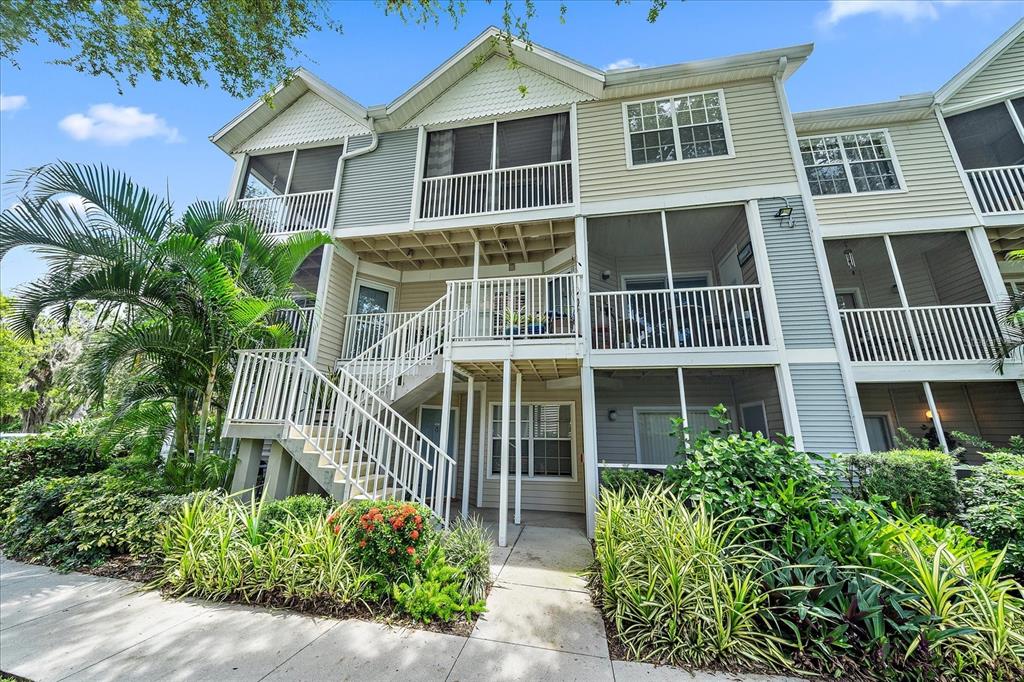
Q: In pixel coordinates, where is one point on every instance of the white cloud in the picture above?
(12, 102)
(907, 10)
(624, 63)
(111, 124)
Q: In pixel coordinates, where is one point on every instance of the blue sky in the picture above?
(157, 132)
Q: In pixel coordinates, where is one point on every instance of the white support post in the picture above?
(670, 281)
(473, 319)
(682, 405)
(936, 421)
(440, 477)
(506, 389)
(467, 452)
(987, 265)
(484, 447)
(518, 517)
(904, 301)
(589, 418)
(237, 175)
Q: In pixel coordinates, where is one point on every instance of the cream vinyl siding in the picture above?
(758, 139)
(332, 325)
(1005, 72)
(931, 184)
(547, 494)
(415, 296)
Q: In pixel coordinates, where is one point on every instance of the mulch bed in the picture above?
(139, 570)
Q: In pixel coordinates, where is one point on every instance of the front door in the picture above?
(430, 425)
(371, 301)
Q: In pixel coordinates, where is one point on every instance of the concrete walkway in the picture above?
(540, 625)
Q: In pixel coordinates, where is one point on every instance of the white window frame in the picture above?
(890, 423)
(294, 149)
(764, 413)
(491, 476)
(373, 284)
(675, 131)
(649, 409)
(846, 163)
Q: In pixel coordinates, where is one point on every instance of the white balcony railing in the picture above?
(998, 190)
(531, 307)
(363, 331)
(922, 334)
(286, 213)
(712, 318)
(301, 321)
(541, 185)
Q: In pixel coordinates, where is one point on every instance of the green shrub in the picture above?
(216, 547)
(993, 497)
(299, 507)
(467, 546)
(67, 451)
(681, 585)
(749, 474)
(72, 522)
(388, 537)
(634, 480)
(919, 481)
(435, 592)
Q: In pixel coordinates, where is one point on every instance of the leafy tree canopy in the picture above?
(247, 43)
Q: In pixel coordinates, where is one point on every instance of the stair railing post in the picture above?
(290, 417)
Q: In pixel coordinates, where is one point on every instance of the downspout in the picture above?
(321, 294)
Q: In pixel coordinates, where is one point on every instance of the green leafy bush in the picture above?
(993, 497)
(435, 592)
(71, 522)
(216, 547)
(388, 538)
(66, 451)
(299, 507)
(633, 480)
(919, 481)
(681, 584)
(749, 474)
(467, 546)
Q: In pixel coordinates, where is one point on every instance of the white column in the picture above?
(589, 417)
(441, 476)
(519, 449)
(474, 319)
(467, 451)
(904, 301)
(506, 389)
(682, 404)
(936, 421)
(987, 265)
(484, 445)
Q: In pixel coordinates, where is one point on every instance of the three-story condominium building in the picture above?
(535, 270)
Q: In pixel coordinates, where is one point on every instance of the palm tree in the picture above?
(1012, 315)
(179, 296)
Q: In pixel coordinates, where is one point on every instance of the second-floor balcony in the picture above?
(989, 142)
(502, 166)
(292, 191)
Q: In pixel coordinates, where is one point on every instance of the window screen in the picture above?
(528, 141)
(267, 174)
(987, 137)
(315, 169)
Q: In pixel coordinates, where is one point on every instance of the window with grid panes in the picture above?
(675, 128)
(547, 441)
(852, 163)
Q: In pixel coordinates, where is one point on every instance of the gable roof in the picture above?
(347, 115)
(988, 55)
(567, 71)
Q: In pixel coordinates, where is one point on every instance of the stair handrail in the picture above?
(404, 348)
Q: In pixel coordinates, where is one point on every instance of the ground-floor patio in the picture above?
(540, 625)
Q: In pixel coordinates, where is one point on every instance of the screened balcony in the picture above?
(990, 144)
(502, 166)
(912, 298)
(703, 295)
(291, 191)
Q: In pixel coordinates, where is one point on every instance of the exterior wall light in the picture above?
(785, 212)
(613, 415)
(928, 414)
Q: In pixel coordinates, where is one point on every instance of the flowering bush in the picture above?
(389, 538)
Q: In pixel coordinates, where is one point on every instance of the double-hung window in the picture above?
(548, 450)
(851, 163)
(677, 128)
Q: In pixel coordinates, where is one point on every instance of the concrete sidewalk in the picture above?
(540, 625)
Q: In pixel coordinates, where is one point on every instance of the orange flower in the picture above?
(362, 543)
(415, 535)
(410, 550)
